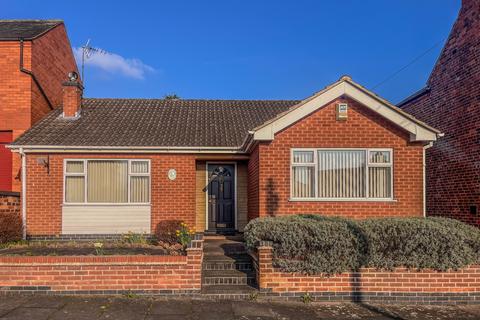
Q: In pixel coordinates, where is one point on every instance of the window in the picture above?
(348, 174)
(107, 181)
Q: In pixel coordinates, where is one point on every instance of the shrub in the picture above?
(315, 244)
(420, 243)
(307, 245)
(10, 227)
(166, 231)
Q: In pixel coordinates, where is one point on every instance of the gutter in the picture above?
(30, 73)
(24, 194)
(127, 149)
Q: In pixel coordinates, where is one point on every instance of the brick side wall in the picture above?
(9, 204)
(103, 274)
(399, 285)
(50, 58)
(170, 199)
(253, 184)
(363, 129)
(451, 105)
(15, 96)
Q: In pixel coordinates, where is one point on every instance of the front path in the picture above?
(89, 308)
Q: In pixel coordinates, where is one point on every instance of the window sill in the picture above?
(340, 200)
(106, 204)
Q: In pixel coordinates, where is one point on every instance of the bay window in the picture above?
(342, 174)
(107, 181)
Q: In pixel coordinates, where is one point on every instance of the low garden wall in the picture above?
(139, 274)
(369, 284)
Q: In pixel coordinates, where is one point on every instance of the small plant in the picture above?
(134, 238)
(98, 248)
(253, 296)
(306, 298)
(131, 295)
(184, 234)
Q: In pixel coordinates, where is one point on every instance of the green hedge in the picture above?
(315, 244)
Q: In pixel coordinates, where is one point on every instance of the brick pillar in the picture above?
(265, 264)
(195, 260)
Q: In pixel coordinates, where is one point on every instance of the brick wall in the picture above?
(399, 285)
(9, 203)
(363, 129)
(50, 58)
(170, 199)
(451, 105)
(253, 186)
(103, 274)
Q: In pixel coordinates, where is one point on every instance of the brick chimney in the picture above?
(72, 96)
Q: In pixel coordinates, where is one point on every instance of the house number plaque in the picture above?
(172, 174)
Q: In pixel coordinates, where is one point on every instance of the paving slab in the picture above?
(254, 310)
(431, 312)
(94, 307)
(29, 313)
(213, 310)
(11, 302)
(82, 308)
(54, 302)
(171, 307)
(125, 309)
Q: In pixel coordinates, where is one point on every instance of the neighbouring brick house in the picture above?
(106, 166)
(35, 56)
(451, 102)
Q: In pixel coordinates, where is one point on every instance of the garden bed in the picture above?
(83, 248)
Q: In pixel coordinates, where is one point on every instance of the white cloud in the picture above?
(115, 64)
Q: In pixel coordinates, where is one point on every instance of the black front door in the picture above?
(221, 197)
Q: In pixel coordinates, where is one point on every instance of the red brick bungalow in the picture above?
(107, 166)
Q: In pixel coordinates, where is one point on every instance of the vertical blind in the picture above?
(341, 174)
(107, 181)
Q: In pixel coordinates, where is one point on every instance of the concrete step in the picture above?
(228, 277)
(220, 290)
(223, 248)
(245, 265)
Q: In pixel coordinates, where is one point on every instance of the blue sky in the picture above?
(249, 49)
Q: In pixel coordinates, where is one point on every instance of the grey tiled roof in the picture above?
(155, 123)
(25, 29)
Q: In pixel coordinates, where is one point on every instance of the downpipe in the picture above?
(24, 194)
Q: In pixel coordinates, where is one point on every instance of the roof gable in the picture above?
(418, 130)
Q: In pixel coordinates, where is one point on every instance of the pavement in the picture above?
(144, 308)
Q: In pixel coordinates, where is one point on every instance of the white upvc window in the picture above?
(341, 174)
(106, 181)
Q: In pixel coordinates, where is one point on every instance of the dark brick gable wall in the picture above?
(452, 105)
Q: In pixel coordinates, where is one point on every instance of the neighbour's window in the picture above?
(107, 181)
(342, 174)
